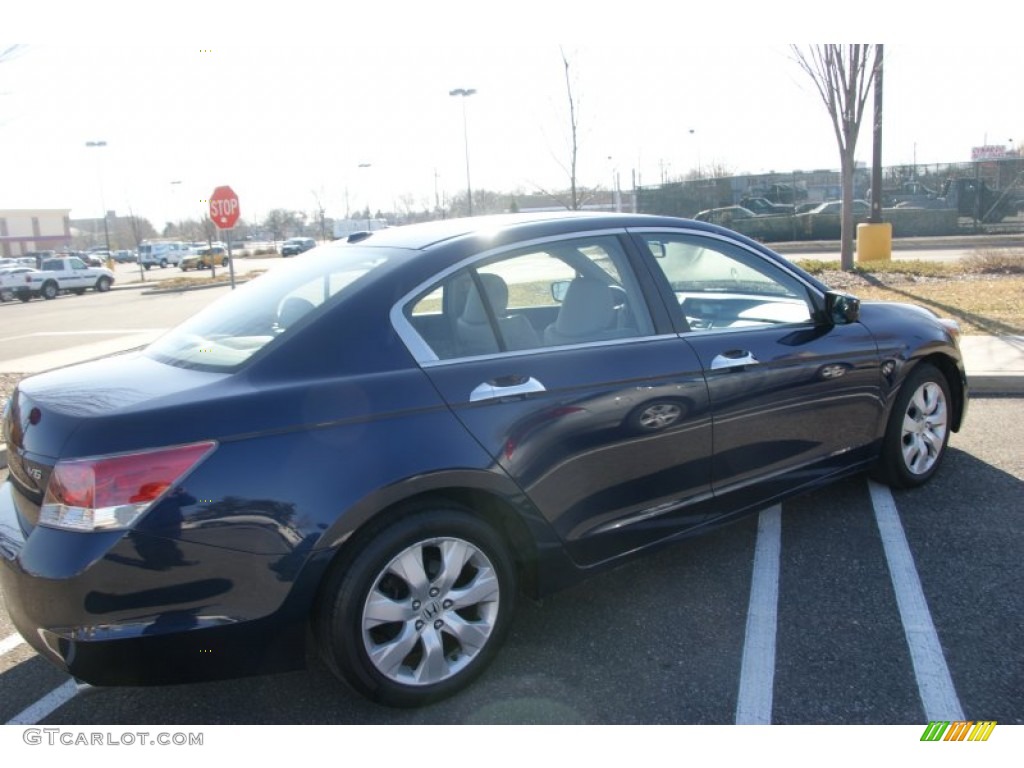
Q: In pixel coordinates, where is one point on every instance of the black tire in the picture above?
(163, 263)
(50, 291)
(25, 296)
(103, 284)
(421, 623)
(147, 266)
(78, 291)
(918, 430)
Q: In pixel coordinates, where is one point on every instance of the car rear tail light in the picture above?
(111, 492)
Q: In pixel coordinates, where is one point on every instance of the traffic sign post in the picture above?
(224, 213)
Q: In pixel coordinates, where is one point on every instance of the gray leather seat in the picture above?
(473, 329)
(587, 314)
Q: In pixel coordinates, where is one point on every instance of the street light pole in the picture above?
(103, 204)
(369, 214)
(464, 92)
(174, 204)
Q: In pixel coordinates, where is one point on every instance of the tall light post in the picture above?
(369, 213)
(103, 204)
(464, 92)
(175, 185)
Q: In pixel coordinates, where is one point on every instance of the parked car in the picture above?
(161, 253)
(96, 258)
(11, 280)
(63, 274)
(293, 246)
(125, 256)
(204, 258)
(725, 216)
(824, 221)
(379, 449)
(835, 208)
(764, 207)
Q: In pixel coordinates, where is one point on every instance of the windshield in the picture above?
(232, 329)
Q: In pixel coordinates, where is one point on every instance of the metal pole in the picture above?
(103, 204)
(876, 164)
(464, 92)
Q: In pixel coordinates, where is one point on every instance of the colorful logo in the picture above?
(958, 730)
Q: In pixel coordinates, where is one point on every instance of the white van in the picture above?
(161, 254)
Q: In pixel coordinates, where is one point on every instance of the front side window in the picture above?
(558, 293)
(719, 285)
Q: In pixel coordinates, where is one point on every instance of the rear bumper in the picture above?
(134, 609)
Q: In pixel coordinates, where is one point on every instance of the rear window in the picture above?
(261, 312)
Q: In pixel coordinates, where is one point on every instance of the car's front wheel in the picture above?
(420, 609)
(918, 431)
(103, 284)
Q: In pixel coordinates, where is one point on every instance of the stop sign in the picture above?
(224, 210)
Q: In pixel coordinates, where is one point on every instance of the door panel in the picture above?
(611, 442)
(790, 396)
(549, 356)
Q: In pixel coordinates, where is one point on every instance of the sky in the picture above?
(348, 111)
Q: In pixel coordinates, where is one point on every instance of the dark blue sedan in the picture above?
(380, 444)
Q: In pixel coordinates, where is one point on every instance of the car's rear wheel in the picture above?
(918, 431)
(420, 609)
(50, 290)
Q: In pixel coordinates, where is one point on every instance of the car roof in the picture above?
(427, 234)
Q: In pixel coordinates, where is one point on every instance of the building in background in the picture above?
(28, 230)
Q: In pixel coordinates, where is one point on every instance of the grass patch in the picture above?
(223, 276)
(997, 261)
(916, 267)
(984, 305)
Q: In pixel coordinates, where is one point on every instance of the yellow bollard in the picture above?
(874, 242)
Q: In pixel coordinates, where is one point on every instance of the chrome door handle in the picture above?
(506, 386)
(734, 358)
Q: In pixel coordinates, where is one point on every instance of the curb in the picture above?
(187, 288)
(996, 385)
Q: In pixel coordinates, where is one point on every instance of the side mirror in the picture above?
(658, 249)
(841, 308)
(559, 289)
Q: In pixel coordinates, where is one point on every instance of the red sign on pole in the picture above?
(224, 210)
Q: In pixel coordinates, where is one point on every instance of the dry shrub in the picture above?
(994, 261)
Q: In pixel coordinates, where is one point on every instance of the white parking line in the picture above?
(757, 672)
(10, 643)
(56, 698)
(934, 683)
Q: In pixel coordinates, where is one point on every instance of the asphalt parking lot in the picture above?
(805, 621)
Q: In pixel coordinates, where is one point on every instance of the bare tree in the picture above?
(843, 75)
(576, 195)
(320, 215)
(573, 138)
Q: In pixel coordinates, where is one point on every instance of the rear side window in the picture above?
(561, 293)
(261, 312)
